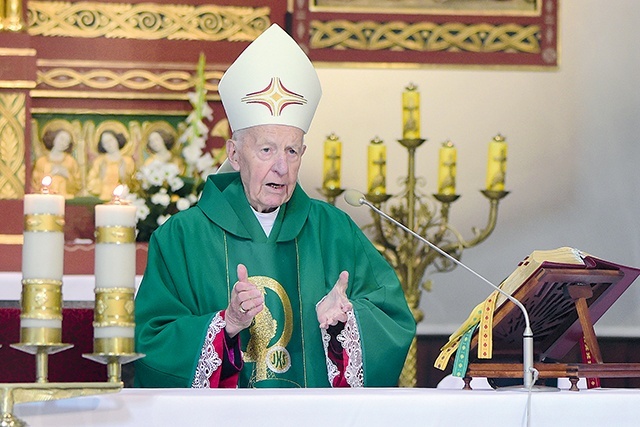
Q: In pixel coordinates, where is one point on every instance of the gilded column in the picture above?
(13, 17)
(17, 77)
(12, 144)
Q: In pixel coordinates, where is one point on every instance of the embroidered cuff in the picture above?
(349, 339)
(209, 360)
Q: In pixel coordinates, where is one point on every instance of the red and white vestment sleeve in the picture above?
(220, 358)
(343, 352)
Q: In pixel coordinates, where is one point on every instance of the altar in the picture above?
(344, 407)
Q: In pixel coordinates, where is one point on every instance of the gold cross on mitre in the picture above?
(275, 97)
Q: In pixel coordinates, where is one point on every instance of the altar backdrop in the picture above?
(573, 150)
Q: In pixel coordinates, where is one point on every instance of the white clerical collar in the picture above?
(266, 219)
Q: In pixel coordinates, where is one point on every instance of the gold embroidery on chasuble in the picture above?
(269, 358)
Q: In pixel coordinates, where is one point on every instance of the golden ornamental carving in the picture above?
(146, 21)
(424, 36)
(137, 80)
(12, 151)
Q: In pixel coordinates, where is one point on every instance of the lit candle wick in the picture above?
(46, 182)
(117, 193)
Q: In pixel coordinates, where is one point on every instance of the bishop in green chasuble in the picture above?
(192, 268)
(258, 285)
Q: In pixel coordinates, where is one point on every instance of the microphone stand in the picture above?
(357, 199)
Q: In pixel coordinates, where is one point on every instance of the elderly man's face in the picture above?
(268, 158)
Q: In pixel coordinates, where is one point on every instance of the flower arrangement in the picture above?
(163, 189)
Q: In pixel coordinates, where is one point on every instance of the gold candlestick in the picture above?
(114, 323)
(411, 258)
(426, 216)
(41, 318)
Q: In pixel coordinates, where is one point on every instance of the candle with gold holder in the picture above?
(332, 162)
(42, 269)
(115, 270)
(411, 112)
(447, 169)
(331, 169)
(377, 167)
(41, 315)
(497, 164)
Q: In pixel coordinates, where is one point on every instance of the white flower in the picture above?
(142, 212)
(204, 162)
(163, 218)
(192, 198)
(155, 176)
(161, 198)
(202, 128)
(193, 98)
(170, 170)
(175, 183)
(191, 153)
(183, 204)
(207, 112)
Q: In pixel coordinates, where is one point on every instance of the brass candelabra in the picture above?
(428, 217)
(41, 302)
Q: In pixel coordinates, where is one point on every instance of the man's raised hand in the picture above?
(334, 306)
(246, 301)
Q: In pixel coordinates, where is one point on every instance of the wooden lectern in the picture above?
(563, 302)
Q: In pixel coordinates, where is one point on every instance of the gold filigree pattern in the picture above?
(424, 36)
(146, 21)
(12, 145)
(115, 234)
(44, 223)
(136, 80)
(41, 299)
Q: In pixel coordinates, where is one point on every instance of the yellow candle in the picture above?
(497, 164)
(411, 112)
(447, 169)
(42, 266)
(115, 267)
(377, 165)
(332, 162)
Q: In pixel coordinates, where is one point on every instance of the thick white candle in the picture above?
(42, 256)
(115, 265)
(43, 250)
(115, 262)
(113, 332)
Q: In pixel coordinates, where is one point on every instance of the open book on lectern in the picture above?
(543, 283)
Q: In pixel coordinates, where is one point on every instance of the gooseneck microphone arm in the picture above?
(357, 199)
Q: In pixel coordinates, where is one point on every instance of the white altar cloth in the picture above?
(337, 407)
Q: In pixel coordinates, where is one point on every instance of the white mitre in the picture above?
(271, 82)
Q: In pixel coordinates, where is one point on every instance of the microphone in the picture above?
(357, 199)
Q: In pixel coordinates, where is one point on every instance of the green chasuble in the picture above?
(192, 268)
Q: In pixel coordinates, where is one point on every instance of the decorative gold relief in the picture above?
(146, 21)
(41, 299)
(115, 234)
(424, 36)
(12, 148)
(114, 307)
(44, 223)
(136, 80)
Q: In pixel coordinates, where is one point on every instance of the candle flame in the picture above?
(46, 182)
(117, 192)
